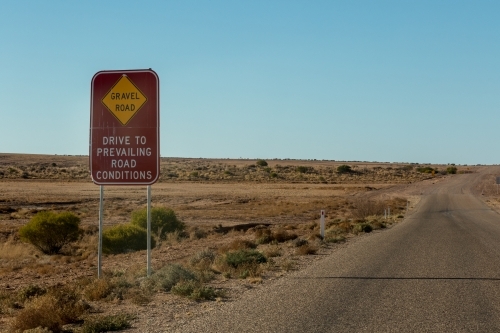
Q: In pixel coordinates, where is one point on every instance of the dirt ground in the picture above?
(226, 199)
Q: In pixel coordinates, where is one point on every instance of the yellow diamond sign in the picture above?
(124, 100)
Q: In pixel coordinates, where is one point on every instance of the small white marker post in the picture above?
(149, 231)
(322, 224)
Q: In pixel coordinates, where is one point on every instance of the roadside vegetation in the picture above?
(208, 250)
(249, 255)
(260, 170)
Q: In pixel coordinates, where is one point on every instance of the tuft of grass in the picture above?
(266, 236)
(238, 244)
(306, 250)
(29, 292)
(167, 277)
(363, 227)
(195, 291)
(242, 263)
(243, 257)
(363, 208)
(12, 250)
(300, 242)
(197, 233)
(52, 310)
(334, 239)
(288, 265)
(107, 323)
(98, 289)
(273, 251)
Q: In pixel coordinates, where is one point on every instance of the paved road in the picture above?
(438, 271)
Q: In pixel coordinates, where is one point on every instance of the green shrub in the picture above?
(30, 291)
(363, 227)
(167, 277)
(203, 259)
(49, 231)
(302, 169)
(107, 323)
(123, 238)
(451, 169)
(244, 256)
(425, 169)
(261, 163)
(344, 169)
(163, 220)
(334, 239)
(194, 290)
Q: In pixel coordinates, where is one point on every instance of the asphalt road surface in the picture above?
(438, 271)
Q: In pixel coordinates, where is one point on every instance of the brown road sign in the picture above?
(125, 127)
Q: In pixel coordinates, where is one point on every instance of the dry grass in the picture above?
(246, 196)
(14, 250)
(52, 310)
(306, 249)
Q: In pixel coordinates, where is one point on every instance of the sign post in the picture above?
(124, 134)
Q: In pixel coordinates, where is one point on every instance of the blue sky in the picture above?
(395, 81)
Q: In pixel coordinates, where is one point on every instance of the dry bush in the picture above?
(13, 250)
(306, 249)
(8, 302)
(241, 263)
(197, 233)
(272, 251)
(237, 244)
(85, 247)
(364, 208)
(265, 236)
(174, 237)
(202, 263)
(288, 265)
(53, 310)
(345, 226)
(167, 277)
(195, 290)
(98, 289)
(377, 224)
(362, 227)
(107, 323)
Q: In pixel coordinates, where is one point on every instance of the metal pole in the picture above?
(149, 230)
(99, 246)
